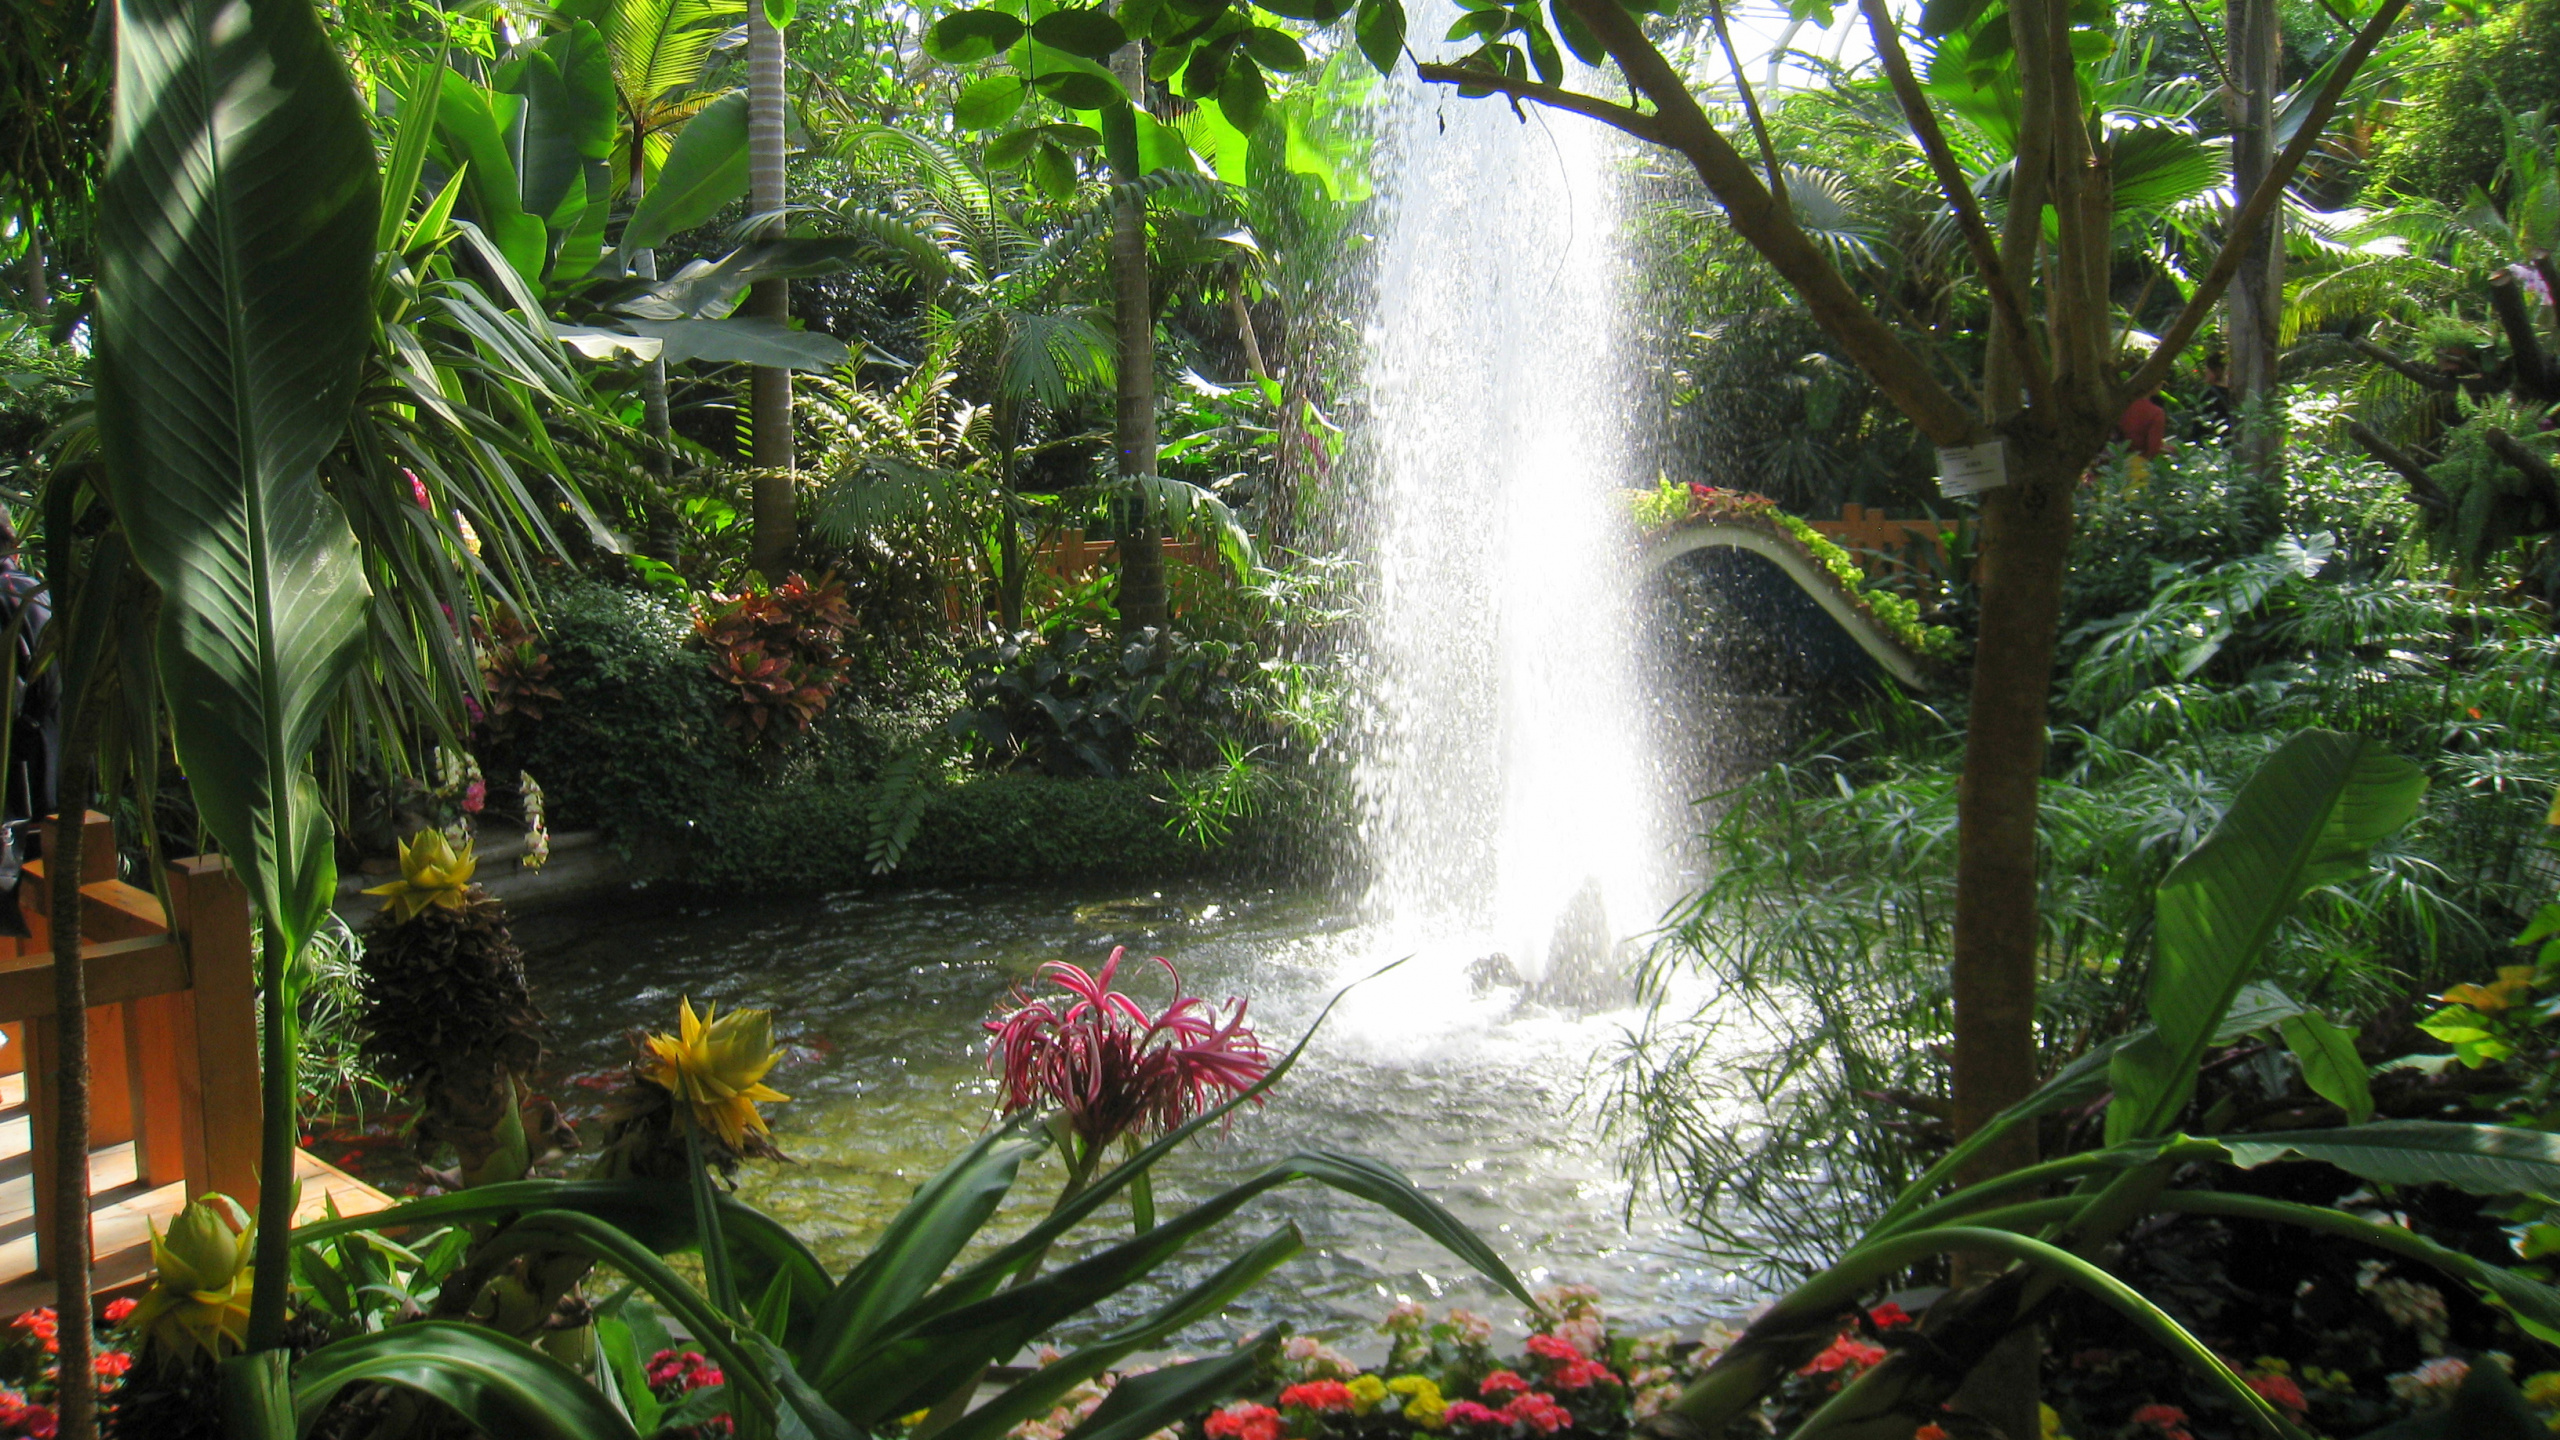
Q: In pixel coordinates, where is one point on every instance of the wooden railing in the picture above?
(173, 1027)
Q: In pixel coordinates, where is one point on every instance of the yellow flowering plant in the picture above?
(715, 1066)
(432, 872)
(199, 1296)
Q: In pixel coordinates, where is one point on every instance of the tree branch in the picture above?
(2534, 468)
(1750, 105)
(2423, 490)
(2531, 372)
(1648, 128)
(1767, 227)
(2262, 204)
(2005, 298)
(2410, 370)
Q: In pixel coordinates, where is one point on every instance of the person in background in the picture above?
(2144, 431)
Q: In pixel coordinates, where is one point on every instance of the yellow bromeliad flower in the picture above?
(432, 872)
(199, 1297)
(716, 1067)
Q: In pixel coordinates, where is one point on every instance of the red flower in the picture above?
(1845, 1353)
(1538, 1412)
(1930, 1432)
(118, 1309)
(38, 1324)
(1468, 1412)
(2279, 1390)
(110, 1363)
(18, 1418)
(1243, 1422)
(1327, 1395)
(1110, 1066)
(1582, 1374)
(2169, 1419)
(1502, 1382)
(1553, 1347)
(1888, 1316)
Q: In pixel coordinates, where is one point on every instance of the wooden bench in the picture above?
(173, 1028)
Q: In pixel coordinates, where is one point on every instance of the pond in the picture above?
(1483, 1096)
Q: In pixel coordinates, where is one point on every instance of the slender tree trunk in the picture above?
(776, 504)
(1142, 593)
(76, 1400)
(2255, 302)
(39, 284)
(653, 376)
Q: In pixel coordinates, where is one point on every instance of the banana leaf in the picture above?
(2483, 1159)
(2309, 817)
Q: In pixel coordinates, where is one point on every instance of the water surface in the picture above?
(1482, 1096)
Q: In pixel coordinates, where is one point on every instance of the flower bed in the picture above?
(1578, 1377)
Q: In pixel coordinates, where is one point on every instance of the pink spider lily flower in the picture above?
(1110, 1068)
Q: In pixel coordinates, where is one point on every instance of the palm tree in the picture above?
(660, 50)
(769, 387)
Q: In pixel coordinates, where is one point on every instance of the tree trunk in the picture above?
(653, 376)
(76, 1399)
(776, 504)
(39, 284)
(2255, 302)
(1142, 593)
(2026, 535)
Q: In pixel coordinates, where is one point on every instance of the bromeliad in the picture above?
(432, 872)
(1109, 1068)
(715, 1068)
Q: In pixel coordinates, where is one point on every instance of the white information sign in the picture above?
(1972, 469)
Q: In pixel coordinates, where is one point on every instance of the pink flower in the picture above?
(418, 492)
(1243, 1422)
(1548, 1347)
(1502, 1382)
(1539, 1413)
(474, 796)
(1112, 1068)
(1325, 1395)
(1468, 1412)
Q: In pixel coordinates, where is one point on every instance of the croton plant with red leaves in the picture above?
(779, 651)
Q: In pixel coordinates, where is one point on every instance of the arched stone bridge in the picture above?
(1877, 621)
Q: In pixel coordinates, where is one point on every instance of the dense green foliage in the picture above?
(2446, 139)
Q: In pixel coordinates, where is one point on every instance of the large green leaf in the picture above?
(2308, 818)
(744, 340)
(921, 1242)
(468, 124)
(2483, 1159)
(706, 169)
(236, 223)
(500, 1386)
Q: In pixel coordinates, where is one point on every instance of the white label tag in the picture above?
(1971, 469)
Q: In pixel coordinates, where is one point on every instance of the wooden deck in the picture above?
(121, 1208)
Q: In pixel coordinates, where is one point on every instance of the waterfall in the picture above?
(1505, 788)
